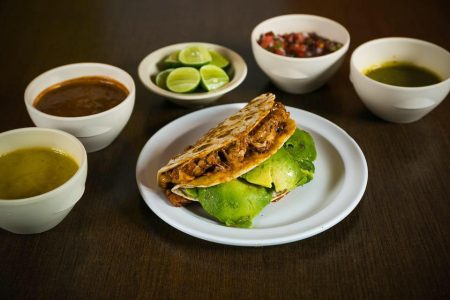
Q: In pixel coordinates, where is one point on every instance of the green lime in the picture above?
(194, 56)
(161, 78)
(183, 80)
(218, 59)
(213, 77)
(172, 61)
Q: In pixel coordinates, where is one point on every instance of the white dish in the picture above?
(42, 212)
(300, 75)
(95, 131)
(400, 104)
(339, 183)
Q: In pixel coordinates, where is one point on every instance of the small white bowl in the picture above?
(394, 103)
(43, 212)
(148, 68)
(95, 131)
(300, 75)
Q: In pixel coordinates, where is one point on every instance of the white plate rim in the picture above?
(356, 172)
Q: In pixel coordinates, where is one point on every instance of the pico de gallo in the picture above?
(299, 44)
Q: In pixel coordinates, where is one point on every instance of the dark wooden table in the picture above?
(393, 245)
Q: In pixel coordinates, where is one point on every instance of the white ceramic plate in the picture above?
(339, 183)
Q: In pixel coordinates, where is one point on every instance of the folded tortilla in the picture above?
(235, 146)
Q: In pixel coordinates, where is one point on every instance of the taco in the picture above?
(235, 169)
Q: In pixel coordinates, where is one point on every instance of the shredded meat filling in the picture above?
(262, 137)
(175, 199)
(259, 140)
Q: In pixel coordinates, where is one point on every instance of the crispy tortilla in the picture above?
(253, 160)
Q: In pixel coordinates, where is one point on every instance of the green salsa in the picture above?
(28, 172)
(402, 74)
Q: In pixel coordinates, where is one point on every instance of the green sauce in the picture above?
(29, 172)
(403, 74)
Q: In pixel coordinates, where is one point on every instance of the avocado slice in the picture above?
(286, 173)
(301, 146)
(261, 175)
(289, 167)
(235, 202)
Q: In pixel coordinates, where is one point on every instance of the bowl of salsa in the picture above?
(298, 52)
(91, 101)
(42, 176)
(400, 79)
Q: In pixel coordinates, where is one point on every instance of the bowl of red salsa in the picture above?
(92, 101)
(299, 53)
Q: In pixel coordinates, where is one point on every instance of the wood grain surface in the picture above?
(394, 245)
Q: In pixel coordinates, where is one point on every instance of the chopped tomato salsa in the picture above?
(299, 44)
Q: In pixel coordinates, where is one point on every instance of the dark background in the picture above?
(393, 245)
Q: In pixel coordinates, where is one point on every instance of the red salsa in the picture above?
(81, 96)
(299, 44)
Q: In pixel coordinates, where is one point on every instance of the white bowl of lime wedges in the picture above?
(192, 74)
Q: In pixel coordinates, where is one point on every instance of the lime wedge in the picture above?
(194, 56)
(183, 80)
(172, 61)
(213, 77)
(161, 78)
(218, 59)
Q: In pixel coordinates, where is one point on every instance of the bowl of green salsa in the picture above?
(400, 79)
(42, 176)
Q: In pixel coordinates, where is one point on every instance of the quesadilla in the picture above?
(248, 160)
